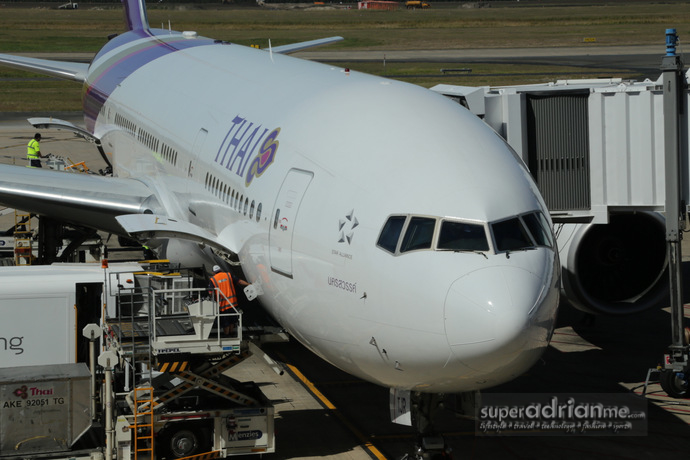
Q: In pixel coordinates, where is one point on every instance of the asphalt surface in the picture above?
(641, 61)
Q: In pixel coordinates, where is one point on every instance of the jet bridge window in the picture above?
(462, 236)
(419, 234)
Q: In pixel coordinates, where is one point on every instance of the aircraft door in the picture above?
(197, 148)
(284, 218)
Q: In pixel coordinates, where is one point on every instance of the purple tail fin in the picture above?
(135, 14)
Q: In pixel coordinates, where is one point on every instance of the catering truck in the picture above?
(45, 307)
(122, 361)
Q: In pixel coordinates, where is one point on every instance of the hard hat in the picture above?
(216, 269)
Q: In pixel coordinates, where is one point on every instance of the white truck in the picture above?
(45, 308)
(161, 388)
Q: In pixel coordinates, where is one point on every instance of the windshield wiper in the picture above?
(531, 248)
(475, 251)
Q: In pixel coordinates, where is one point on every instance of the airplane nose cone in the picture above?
(493, 320)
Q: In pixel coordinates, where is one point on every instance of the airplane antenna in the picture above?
(169, 27)
(270, 49)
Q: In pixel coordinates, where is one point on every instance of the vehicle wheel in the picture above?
(673, 385)
(182, 441)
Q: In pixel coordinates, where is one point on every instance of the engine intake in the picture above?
(615, 268)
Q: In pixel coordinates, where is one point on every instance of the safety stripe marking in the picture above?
(368, 446)
(173, 366)
(204, 456)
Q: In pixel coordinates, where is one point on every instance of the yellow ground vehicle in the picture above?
(413, 4)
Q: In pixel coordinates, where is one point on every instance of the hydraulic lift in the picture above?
(172, 390)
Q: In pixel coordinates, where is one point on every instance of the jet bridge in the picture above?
(595, 147)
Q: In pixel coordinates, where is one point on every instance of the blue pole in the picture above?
(671, 40)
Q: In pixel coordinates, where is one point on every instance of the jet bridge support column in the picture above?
(675, 376)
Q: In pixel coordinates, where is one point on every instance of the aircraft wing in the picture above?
(76, 71)
(294, 47)
(118, 205)
(155, 226)
(86, 199)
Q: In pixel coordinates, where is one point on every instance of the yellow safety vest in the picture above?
(32, 151)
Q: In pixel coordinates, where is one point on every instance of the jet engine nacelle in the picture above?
(615, 268)
(186, 253)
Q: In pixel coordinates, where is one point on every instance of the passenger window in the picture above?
(391, 233)
(511, 235)
(540, 230)
(462, 236)
(419, 233)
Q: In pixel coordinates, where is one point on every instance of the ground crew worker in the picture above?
(33, 152)
(148, 253)
(226, 297)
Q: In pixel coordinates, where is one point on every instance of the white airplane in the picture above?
(389, 230)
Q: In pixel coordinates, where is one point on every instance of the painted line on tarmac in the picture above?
(366, 444)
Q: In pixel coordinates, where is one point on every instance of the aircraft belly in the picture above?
(385, 359)
(370, 338)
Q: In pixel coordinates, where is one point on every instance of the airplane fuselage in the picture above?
(303, 169)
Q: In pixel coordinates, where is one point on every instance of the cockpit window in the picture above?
(419, 234)
(511, 235)
(391, 233)
(523, 232)
(539, 228)
(405, 233)
(462, 236)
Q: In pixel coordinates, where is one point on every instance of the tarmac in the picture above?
(325, 413)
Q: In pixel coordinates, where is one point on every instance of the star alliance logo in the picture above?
(346, 227)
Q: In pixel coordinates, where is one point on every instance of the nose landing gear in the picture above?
(675, 384)
(675, 377)
(429, 445)
(430, 448)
